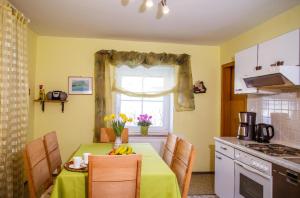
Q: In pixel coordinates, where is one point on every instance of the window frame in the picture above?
(167, 113)
(167, 110)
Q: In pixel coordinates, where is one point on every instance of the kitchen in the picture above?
(263, 161)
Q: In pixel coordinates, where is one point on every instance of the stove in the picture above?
(276, 150)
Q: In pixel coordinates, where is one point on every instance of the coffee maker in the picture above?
(246, 130)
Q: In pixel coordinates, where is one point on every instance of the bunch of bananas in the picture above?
(122, 150)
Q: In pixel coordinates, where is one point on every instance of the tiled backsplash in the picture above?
(280, 110)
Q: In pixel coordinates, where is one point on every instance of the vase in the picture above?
(144, 130)
(118, 142)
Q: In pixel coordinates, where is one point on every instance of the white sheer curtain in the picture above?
(13, 99)
(126, 78)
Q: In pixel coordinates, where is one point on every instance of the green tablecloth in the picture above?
(157, 179)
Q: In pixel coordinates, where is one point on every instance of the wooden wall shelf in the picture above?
(42, 102)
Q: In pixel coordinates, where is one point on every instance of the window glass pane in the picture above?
(132, 109)
(154, 99)
(155, 109)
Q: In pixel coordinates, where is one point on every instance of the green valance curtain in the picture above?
(104, 85)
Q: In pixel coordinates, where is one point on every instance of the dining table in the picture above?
(157, 179)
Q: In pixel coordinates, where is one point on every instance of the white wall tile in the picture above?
(282, 111)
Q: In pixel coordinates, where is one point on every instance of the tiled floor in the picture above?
(202, 184)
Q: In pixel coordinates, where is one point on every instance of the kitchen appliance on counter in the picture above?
(253, 176)
(264, 133)
(286, 183)
(246, 130)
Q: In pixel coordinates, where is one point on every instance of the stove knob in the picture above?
(260, 166)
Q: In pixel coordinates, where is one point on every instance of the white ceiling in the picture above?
(189, 21)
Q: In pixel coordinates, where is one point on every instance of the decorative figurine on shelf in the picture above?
(42, 95)
(199, 87)
(118, 124)
(144, 121)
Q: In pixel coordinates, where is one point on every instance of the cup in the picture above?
(77, 161)
(86, 157)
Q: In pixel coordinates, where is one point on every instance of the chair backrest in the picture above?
(182, 165)
(39, 177)
(52, 152)
(108, 135)
(114, 176)
(170, 148)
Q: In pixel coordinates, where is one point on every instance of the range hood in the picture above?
(279, 76)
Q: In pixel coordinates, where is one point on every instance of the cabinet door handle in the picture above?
(238, 89)
(277, 63)
(224, 148)
(258, 68)
(220, 158)
(292, 181)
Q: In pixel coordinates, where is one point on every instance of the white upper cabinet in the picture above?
(283, 50)
(245, 63)
(280, 54)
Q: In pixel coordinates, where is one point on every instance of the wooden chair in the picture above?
(53, 153)
(108, 135)
(115, 176)
(170, 148)
(36, 165)
(182, 165)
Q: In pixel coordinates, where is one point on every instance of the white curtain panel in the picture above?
(13, 99)
(144, 82)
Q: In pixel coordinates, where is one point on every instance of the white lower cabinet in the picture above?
(224, 176)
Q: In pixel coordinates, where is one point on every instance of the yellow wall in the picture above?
(58, 57)
(285, 22)
(32, 44)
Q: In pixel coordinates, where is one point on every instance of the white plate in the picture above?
(83, 165)
(73, 167)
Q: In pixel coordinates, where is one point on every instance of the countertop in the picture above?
(240, 144)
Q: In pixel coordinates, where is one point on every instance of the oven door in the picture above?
(250, 183)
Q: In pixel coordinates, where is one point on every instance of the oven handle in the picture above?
(248, 168)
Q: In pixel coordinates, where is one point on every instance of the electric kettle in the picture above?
(264, 132)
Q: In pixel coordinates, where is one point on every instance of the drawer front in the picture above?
(225, 149)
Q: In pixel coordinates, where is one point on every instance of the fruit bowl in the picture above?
(122, 150)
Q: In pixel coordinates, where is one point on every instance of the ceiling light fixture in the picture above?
(165, 8)
(149, 3)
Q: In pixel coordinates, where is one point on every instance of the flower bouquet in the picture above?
(118, 125)
(144, 121)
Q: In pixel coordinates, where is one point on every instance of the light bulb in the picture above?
(166, 9)
(149, 3)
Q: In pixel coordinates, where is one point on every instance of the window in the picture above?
(143, 80)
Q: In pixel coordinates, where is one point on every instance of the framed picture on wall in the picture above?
(79, 85)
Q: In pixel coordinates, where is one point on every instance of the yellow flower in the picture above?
(112, 116)
(106, 118)
(123, 117)
(130, 120)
